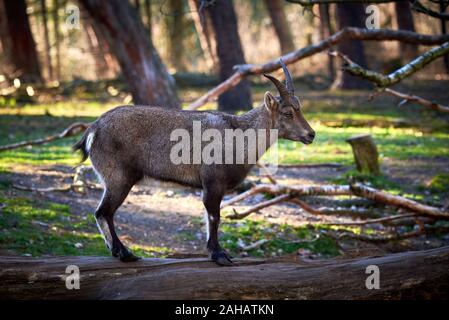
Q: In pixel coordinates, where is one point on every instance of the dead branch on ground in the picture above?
(72, 130)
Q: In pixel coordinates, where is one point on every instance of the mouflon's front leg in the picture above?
(212, 196)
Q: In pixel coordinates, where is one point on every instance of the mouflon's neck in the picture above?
(257, 118)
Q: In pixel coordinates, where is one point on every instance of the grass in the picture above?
(33, 121)
(282, 239)
(39, 228)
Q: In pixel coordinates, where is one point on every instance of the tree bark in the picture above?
(47, 49)
(56, 31)
(176, 25)
(444, 31)
(326, 31)
(142, 68)
(105, 64)
(202, 30)
(148, 15)
(405, 21)
(365, 153)
(407, 275)
(19, 44)
(351, 14)
(230, 52)
(279, 20)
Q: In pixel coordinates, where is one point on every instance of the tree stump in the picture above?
(365, 153)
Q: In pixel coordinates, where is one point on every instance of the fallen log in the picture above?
(406, 275)
(355, 189)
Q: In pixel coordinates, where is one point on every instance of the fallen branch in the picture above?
(78, 184)
(72, 130)
(397, 201)
(327, 211)
(64, 188)
(346, 34)
(406, 275)
(286, 193)
(412, 98)
(396, 76)
(371, 221)
(254, 245)
(259, 206)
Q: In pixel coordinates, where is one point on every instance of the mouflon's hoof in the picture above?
(127, 256)
(221, 258)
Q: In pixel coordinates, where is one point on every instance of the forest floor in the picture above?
(164, 219)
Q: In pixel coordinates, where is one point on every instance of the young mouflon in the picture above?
(129, 143)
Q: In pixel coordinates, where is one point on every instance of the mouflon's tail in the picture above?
(84, 144)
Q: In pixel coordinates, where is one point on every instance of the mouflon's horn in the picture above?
(288, 78)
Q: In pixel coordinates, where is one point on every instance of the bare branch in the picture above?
(268, 203)
(371, 221)
(397, 201)
(418, 7)
(286, 193)
(415, 5)
(346, 34)
(398, 75)
(412, 98)
(72, 130)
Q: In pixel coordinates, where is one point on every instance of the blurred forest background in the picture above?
(64, 62)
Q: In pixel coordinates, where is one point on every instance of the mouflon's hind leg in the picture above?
(113, 197)
(212, 196)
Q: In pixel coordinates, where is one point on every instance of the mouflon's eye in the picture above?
(287, 114)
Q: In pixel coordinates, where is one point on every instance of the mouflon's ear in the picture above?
(270, 102)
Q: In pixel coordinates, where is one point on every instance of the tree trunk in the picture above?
(326, 31)
(279, 20)
(176, 28)
(443, 7)
(47, 48)
(202, 30)
(405, 21)
(19, 44)
(142, 68)
(351, 14)
(365, 154)
(137, 6)
(147, 5)
(406, 275)
(55, 15)
(230, 53)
